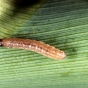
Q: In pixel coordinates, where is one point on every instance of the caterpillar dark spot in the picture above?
(33, 45)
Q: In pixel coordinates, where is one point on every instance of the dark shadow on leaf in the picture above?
(21, 5)
(24, 3)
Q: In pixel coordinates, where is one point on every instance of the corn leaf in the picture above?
(60, 23)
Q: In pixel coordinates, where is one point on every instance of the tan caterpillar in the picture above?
(33, 45)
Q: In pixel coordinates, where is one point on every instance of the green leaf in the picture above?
(60, 23)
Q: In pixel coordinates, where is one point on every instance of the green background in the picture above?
(60, 23)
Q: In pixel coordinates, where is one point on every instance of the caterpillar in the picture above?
(33, 45)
